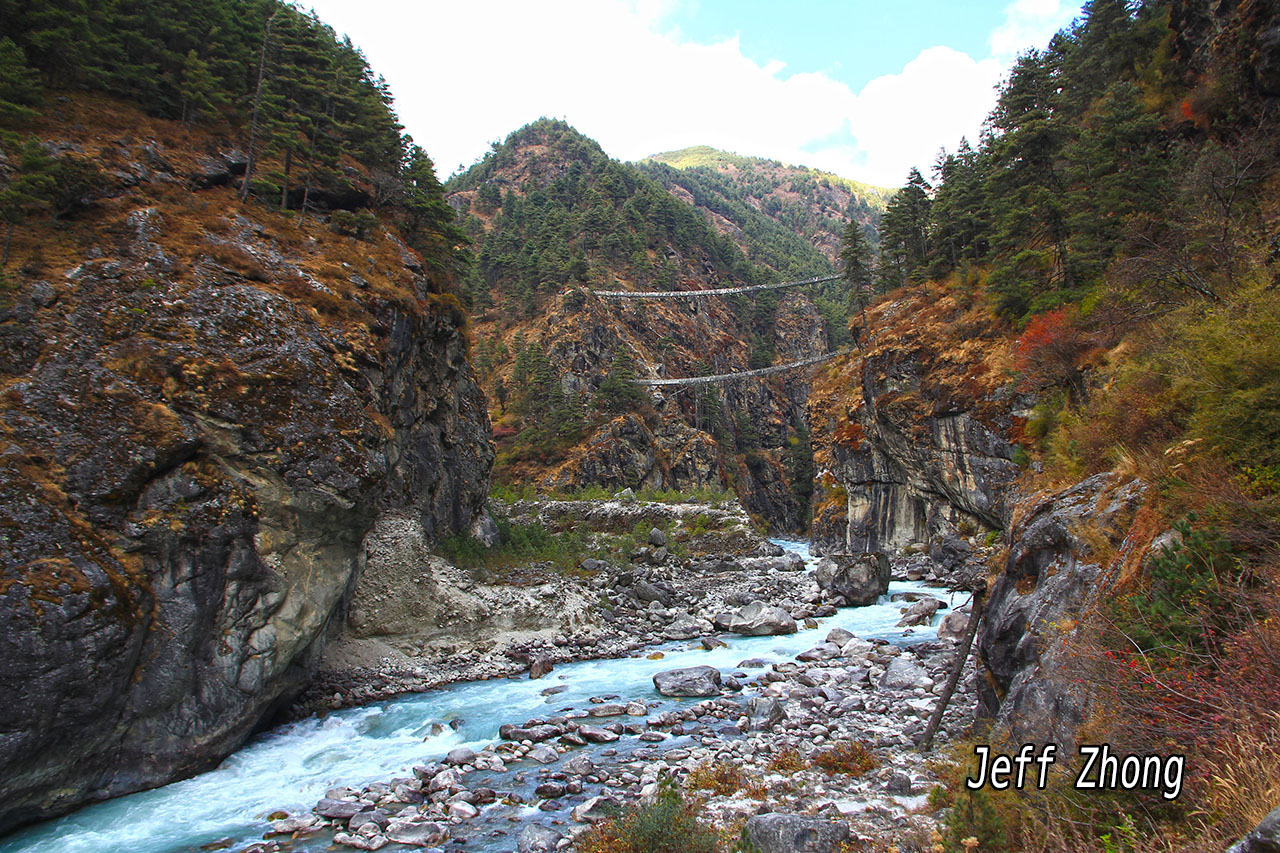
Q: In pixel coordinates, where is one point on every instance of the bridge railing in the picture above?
(717, 291)
(744, 374)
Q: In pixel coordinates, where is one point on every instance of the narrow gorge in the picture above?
(344, 508)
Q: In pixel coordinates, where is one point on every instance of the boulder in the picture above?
(374, 816)
(596, 734)
(649, 592)
(540, 666)
(764, 712)
(839, 636)
(596, 809)
(787, 833)
(955, 624)
(757, 619)
(824, 651)
(859, 579)
(1264, 838)
(460, 755)
(536, 838)
(339, 809)
(579, 765)
(903, 675)
(688, 681)
(417, 833)
(949, 553)
(686, 627)
(920, 613)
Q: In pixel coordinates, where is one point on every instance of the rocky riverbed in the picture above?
(768, 671)
(772, 740)
(648, 596)
(825, 738)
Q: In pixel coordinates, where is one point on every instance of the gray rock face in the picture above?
(860, 579)
(1051, 576)
(222, 451)
(785, 833)
(689, 681)
(916, 470)
(757, 619)
(1264, 838)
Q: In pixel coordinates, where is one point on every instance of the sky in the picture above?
(863, 89)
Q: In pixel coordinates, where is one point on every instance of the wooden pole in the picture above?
(979, 598)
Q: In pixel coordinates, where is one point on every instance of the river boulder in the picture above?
(789, 833)
(860, 579)
(536, 838)
(757, 619)
(920, 612)
(417, 833)
(689, 681)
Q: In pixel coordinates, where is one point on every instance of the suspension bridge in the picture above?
(716, 291)
(724, 291)
(744, 374)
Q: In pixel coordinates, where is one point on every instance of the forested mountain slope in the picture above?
(551, 217)
(787, 218)
(1089, 294)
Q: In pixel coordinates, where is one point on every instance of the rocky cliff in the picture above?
(205, 408)
(915, 434)
(1069, 550)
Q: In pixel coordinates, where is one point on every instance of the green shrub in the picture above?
(358, 224)
(1192, 596)
(667, 825)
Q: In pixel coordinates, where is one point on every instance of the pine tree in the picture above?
(32, 186)
(20, 87)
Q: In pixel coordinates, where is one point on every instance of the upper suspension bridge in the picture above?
(716, 291)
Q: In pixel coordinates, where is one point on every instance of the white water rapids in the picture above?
(291, 767)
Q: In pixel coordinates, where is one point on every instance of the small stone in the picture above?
(417, 833)
(460, 755)
(463, 810)
(544, 754)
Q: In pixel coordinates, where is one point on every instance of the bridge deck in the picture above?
(745, 374)
(718, 291)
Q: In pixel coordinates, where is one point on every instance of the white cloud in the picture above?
(1029, 23)
(467, 74)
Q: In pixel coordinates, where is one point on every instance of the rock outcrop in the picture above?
(203, 417)
(859, 579)
(921, 453)
(1053, 578)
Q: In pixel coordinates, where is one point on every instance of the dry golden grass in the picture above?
(850, 758)
(786, 761)
(723, 780)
